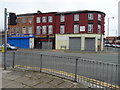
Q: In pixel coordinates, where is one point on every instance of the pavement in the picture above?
(19, 78)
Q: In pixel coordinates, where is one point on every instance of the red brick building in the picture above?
(42, 28)
(72, 22)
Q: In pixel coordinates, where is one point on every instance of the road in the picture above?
(66, 62)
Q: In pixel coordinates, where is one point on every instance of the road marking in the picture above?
(104, 84)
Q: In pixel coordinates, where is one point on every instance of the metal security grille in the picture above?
(46, 45)
(75, 43)
(90, 44)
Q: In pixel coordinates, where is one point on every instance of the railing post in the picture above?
(41, 63)
(76, 65)
(13, 60)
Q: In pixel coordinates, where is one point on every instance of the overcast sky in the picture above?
(109, 7)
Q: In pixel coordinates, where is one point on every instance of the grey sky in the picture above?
(109, 7)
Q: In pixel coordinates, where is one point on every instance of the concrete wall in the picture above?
(63, 40)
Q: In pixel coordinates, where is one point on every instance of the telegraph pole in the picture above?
(5, 36)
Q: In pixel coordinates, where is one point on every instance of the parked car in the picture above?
(9, 47)
(118, 46)
(108, 45)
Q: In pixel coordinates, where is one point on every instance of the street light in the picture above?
(108, 25)
(108, 29)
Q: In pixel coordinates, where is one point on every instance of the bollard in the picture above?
(3, 49)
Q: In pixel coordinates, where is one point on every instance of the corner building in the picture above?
(80, 30)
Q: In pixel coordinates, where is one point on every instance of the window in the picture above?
(76, 17)
(62, 18)
(50, 29)
(50, 19)
(99, 28)
(90, 16)
(90, 28)
(18, 20)
(76, 28)
(30, 19)
(82, 28)
(24, 30)
(17, 30)
(43, 29)
(37, 19)
(99, 17)
(11, 30)
(23, 20)
(38, 30)
(30, 30)
(62, 29)
(44, 19)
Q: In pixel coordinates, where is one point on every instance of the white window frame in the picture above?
(50, 29)
(76, 17)
(50, 18)
(38, 29)
(90, 16)
(38, 19)
(99, 17)
(99, 28)
(90, 28)
(76, 28)
(62, 18)
(30, 31)
(44, 29)
(17, 30)
(11, 30)
(62, 29)
(24, 30)
(82, 28)
(23, 20)
(30, 20)
(44, 19)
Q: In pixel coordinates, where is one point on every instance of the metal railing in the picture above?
(93, 73)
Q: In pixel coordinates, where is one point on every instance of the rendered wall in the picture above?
(63, 40)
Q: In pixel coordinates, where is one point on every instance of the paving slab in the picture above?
(17, 78)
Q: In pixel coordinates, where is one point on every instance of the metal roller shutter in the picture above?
(90, 44)
(75, 43)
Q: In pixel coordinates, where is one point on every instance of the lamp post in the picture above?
(108, 29)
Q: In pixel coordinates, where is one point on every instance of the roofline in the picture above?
(79, 11)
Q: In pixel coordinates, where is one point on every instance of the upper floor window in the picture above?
(90, 16)
(37, 19)
(62, 18)
(11, 30)
(62, 29)
(38, 30)
(99, 17)
(99, 28)
(44, 19)
(30, 30)
(90, 28)
(30, 19)
(43, 29)
(24, 30)
(76, 17)
(17, 30)
(50, 29)
(50, 19)
(76, 28)
(18, 20)
(23, 20)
